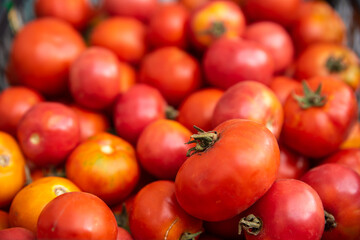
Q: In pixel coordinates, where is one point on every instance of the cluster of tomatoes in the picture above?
(195, 119)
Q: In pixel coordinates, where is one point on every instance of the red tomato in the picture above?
(48, 133)
(198, 108)
(176, 78)
(214, 20)
(128, 76)
(292, 165)
(291, 209)
(193, 4)
(164, 160)
(319, 116)
(232, 60)
(227, 229)
(124, 36)
(135, 109)
(123, 234)
(14, 103)
(17, 233)
(94, 78)
(339, 189)
(275, 39)
(283, 86)
(348, 157)
(157, 215)
(233, 170)
(76, 215)
(42, 53)
(253, 101)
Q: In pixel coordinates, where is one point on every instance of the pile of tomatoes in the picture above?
(191, 119)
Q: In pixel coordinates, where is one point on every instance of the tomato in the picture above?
(339, 190)
(297, 208)
(193, 4)
(253, 101)
(348, 157)
(317, 22)
(233, 162)
(157, 215)
(124, 36)
(12, 169)
(275, 39)
(128, 76)
(175, 78)
(135, 109)
(326, 59)
(226, 229)
(4, 220)
(213, 20)
(161, 149)
(283, 87)
(76, 215)
(14, 103)
(48, 132)
(292, 164)
(30, 201)
(167, 27)
(42, 53)
(77, 13)
(229, 61)
(105, 167)
(353, 139)
(319, 116)
(123, 234)
(197, 109)
(17, 233)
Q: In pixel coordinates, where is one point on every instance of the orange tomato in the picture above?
(12, 169)
(353, 139)
(128, 76)
(30, 201)
(4, 220)
(193, 4)
(283, 86)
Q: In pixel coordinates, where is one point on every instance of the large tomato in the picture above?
(228, 170)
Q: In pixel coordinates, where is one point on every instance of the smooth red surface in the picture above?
(123, 234)
(292, 164)
(348, 157)
(16, 233)
(283, 87)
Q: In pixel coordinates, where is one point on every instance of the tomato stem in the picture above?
(251, 224)
(4, 160)
(203, 140)
(335, 64)
(310, 98)
(330, 222)
(189, 236)
(171, 113)
(216, 29)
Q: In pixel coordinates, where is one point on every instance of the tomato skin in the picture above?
(4, 220)
(193, 4)
(45, 70)
(318, 131)
(177, 77)
(137, 108)
(128, 76)
(297, 208)
(207, 179)
(283, 87)
(253, 101)
(76, 215)
(17, 233)
(275, 39)
(165, 219)
(292, 164)
(353, 139)
(226, 63)
(123, 234)
(348, 157)
(339, 189)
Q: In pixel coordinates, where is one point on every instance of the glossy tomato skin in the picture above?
(202, 29)
(177, 77)
(17, 233)
(339, 189)
(123, 234)
(318, 131)
(165, 219)
(207, 179)
(253, 101)
(48, 132)
(161, 148)
(297, 208)
(283, 86)
(275, 39)
(292, 164)
(45, 70)
(77, 215)
(349, 157)
(137, 108)
(226, 63)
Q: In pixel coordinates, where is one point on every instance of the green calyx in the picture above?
(330, 222)
(203, 140)
(335, 64)
(216, 29)
(251, 224)
(310, 98)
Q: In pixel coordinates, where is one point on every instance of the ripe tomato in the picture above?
(165, 219)
(339, 189)
(4, 220)
(253, 101)
(291, 209)
(42, 53)
(283, 86)
(319, 116)
(175, 78)
(326, 59)
(48, 132)
(128, 76)
(233, 171)
(232, 60)
(275, 39)
(213, 20)
(353, 139)
(12, 169)
(123, 234)
(109, 170)
(348, 157)
(124, 36)
(193, 4)
(198, 108)
(77, 215)
(30, 201)
(135, 109)
(292, 164)
(17, 233)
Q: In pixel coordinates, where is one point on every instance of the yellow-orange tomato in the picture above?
(104, 165)
(353, 139)
(127, 76)
(12, 169)
(30, 201)
(4, 220)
